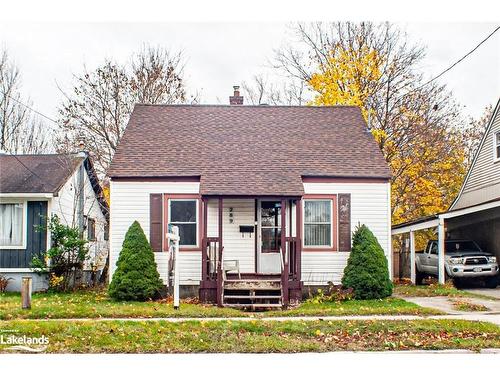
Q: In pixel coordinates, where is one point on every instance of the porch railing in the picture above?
(212, 258)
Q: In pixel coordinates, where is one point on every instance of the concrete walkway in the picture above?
(482, 317)
(445, 303)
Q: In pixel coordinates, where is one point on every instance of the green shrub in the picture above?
(366, 271)
(136, 277)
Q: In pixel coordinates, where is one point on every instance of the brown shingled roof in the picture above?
(247, 150)
(36, 173)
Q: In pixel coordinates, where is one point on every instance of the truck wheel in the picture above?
(491, 282)
(419, 277)
(457, 283)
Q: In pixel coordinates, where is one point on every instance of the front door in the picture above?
(269, 237)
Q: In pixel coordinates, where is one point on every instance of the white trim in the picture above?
(434, 222)
(389, 238)
(197, 222)
(431, 223)
(12, 270)
(312, 247)
(470, 210)
(496, 144)
(24, 234)
(26, 195)
(485, 135)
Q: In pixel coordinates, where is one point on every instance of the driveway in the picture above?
(495, 293)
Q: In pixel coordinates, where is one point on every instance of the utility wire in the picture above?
(31, 109)
(40, 114)
(461, 59)
(450, 67)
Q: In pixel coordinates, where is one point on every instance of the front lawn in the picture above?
(96, 304)
(254, 336)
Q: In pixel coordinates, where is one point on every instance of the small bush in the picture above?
(136, 277)
(332, 293)
(367, 272)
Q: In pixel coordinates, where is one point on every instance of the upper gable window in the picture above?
(496, 145)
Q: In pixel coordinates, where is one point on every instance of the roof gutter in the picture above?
(26, 195)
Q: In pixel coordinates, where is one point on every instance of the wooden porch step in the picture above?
(239, 296)
(253, 305)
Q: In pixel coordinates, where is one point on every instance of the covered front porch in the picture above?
(251, 250)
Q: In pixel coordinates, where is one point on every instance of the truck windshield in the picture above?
(456, 246)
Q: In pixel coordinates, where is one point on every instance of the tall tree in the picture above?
(21, 131)
(416, 126)
(97, 109)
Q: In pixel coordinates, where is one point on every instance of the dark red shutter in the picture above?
(156, 221)
(344, 222)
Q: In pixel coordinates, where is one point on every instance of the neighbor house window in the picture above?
(318, 223)
(496, 144)
(91, 229)
(183, 213)
(12, 222)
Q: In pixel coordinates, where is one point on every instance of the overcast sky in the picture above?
(222, 54)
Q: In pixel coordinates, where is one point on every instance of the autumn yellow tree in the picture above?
(416, 126)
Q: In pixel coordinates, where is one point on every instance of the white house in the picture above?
(35, 187)
(269, 193)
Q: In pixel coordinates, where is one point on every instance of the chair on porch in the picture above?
(229, 266)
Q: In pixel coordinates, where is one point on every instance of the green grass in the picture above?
(254, 336)
(387, 306)
(434, 290)
(96, 304)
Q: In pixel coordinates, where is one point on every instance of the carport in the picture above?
(448, 223)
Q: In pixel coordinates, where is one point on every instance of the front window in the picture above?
(318, 223)
(496, 145)
(183, 213)
(11, 224)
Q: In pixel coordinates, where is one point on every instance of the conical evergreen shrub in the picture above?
(366, 271)
(136, 277)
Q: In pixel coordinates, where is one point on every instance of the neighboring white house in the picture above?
(273, 192)
(35, 187)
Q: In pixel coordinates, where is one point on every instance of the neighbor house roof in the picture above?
(36, 173)
(247, 150)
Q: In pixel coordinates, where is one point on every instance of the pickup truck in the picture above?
(464, 259)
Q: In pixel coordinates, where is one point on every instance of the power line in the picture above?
(25, 166)
(461, 59)
(31, 109)
(450, 67)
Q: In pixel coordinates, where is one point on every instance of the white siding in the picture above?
(64, 206)
(370, 203)
(129, 202)
(482, 183)
(236, 246)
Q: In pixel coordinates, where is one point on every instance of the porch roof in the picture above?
(248, 150)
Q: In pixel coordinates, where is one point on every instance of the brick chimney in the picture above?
(236, 99)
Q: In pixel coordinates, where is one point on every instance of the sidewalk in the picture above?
(482, 317)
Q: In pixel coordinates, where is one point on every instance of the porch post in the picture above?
(441, 239)
(219, 258)
(204, 257)
(412, 257)
(284, 253)
(298, 235)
